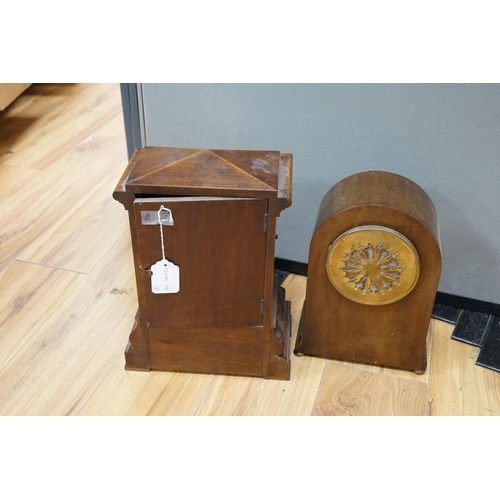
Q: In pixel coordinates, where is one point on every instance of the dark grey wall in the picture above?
(445, 137)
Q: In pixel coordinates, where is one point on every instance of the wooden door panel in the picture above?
(219, 245)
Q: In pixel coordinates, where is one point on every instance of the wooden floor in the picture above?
(67, 294)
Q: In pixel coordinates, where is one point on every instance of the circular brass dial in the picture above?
(373, 265)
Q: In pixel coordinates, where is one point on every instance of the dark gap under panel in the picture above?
(446, 313)
(282, 274)
(489, 356)
(471, 327)
(468, 303)
(291, 266)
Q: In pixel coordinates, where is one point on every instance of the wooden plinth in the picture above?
(215, 350)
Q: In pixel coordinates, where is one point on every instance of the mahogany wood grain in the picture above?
(377, 188)
(208, 350)
(219, 245)
(396, 372)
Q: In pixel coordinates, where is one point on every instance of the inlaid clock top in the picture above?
(206, 171)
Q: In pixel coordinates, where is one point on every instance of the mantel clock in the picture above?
(203, 229)
(374, 268)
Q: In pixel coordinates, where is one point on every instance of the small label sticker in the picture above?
(150, 218)
(165, 277)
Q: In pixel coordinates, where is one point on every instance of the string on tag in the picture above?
(161, 229)
(165, 275)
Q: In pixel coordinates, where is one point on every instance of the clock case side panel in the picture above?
(138, 350)
(277, 310)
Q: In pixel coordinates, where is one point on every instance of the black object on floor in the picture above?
(479, 329)
(446, 313)
(471, 327)
(489, 356)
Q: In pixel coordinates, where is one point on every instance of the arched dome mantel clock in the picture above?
(374, 268)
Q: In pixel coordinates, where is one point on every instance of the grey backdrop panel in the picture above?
(445, 137)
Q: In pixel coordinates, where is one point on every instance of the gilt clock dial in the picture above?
(373, 265)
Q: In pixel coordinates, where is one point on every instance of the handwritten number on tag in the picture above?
(165, 277)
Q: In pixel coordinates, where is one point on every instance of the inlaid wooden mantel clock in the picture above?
(203, 229)
(374, 268)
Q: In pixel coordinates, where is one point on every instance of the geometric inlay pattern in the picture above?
(372, 269)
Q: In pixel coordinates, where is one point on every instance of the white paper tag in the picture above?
(165, 277)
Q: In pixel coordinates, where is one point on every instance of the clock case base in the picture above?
(227, 351)
(417, 367)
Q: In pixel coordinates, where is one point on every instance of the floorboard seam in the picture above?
(98, 384)
(51, 267)
(429, 364)
(200, 402)
(317, 389)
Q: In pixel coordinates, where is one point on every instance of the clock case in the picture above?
(230, 315)
(333, 326)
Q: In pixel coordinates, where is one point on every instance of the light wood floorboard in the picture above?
(29, 291)
(347, 390)
(457, 385)
(68, 296)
